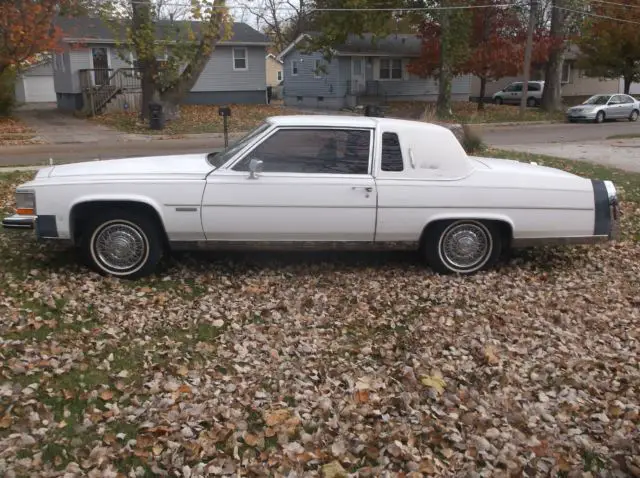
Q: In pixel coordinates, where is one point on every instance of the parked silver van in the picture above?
(513, 93)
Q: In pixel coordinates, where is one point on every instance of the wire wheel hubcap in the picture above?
(120, 246)
(466, 246)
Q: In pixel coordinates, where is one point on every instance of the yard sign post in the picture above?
(225, 112)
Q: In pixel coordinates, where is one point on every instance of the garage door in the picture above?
(39, 89)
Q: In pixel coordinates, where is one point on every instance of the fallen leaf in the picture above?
(5, 421)
(106, 395)
(490, 355)
(276, 417)
(333, 470)
(435, 383)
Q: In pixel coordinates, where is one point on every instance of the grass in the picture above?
(624, 136)
(467, 112)
(15, 132)
(196, 119)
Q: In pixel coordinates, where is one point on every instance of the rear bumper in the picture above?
(19, 222)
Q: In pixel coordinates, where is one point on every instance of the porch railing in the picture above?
(101, 85)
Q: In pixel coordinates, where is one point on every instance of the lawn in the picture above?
(467, 112)
(197, 119)
(13, 132)
(271, 364)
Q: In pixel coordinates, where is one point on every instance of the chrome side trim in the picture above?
(19, 222)
(293, 245)
(557, 241)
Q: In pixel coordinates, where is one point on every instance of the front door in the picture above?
(316, 185)
(358, 74)
(100, 57)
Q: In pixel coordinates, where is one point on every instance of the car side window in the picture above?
(615, 100)
(312, 151)
(391, 153)
(534, 87)
(627, 99)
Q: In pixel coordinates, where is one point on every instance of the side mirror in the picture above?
(255, 166)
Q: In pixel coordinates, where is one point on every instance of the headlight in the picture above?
(25, 202)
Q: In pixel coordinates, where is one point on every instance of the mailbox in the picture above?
(224, 111)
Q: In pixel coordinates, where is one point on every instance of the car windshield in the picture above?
(597, 100)
(224, 156)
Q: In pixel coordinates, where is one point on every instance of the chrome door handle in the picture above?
(366, 188)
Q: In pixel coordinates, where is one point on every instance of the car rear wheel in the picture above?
(531, 102)
(600, 117)
(497, 101)
(120, 243)
(634, 115)
(462, 246)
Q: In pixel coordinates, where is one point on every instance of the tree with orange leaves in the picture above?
(491, 48)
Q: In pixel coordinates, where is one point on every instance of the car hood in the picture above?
(510, 165)
(183, 165)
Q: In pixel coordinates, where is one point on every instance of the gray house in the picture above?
(92, 73)
(360, 71)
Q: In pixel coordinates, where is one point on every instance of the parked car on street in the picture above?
(512, 93)
(316, 181)
(599, 108)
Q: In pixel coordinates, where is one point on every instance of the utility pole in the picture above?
(527, 57)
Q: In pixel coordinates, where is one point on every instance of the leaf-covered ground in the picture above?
(467, 112)
(322, 364)
(196, 119)
(13, 132)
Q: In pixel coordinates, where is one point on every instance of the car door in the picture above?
(626, 106)
(516, 94)
(316, 185)
(614, 107)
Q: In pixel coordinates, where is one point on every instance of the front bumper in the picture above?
(614, 210)
(581, 115)
(19, 222)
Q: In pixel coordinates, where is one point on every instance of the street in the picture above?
(574, 141)
(523, 134)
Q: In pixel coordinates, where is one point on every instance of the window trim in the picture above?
(390, 78)
(294, 63)
(279, 75)
(243, 154)
(246, 58)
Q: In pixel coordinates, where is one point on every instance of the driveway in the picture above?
(582, 142)
(56, 127)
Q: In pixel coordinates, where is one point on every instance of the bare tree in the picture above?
(282, 20)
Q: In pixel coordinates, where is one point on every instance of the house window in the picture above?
(59, 62)
(566, 72)
(279, 76)
(317, 73)
(240, 59)
(390, 69)
(294, 68)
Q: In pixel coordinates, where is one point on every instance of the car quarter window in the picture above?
(391, 153)
(312, 151)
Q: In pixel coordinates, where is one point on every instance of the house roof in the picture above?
(396, 44)
(91, 28)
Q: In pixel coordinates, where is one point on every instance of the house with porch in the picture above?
(361, 71)
(92, 73)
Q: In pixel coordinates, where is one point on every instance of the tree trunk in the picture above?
(483, 91)
(552, 94)
(445, 78)
(627, 84)
(142, 23)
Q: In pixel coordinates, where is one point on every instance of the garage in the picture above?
(35, 84)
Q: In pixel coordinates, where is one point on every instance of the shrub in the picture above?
(7, 91)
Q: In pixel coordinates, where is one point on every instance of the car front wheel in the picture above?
(497, 101)
(600, 117)
(462, 246)
(121, 243)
